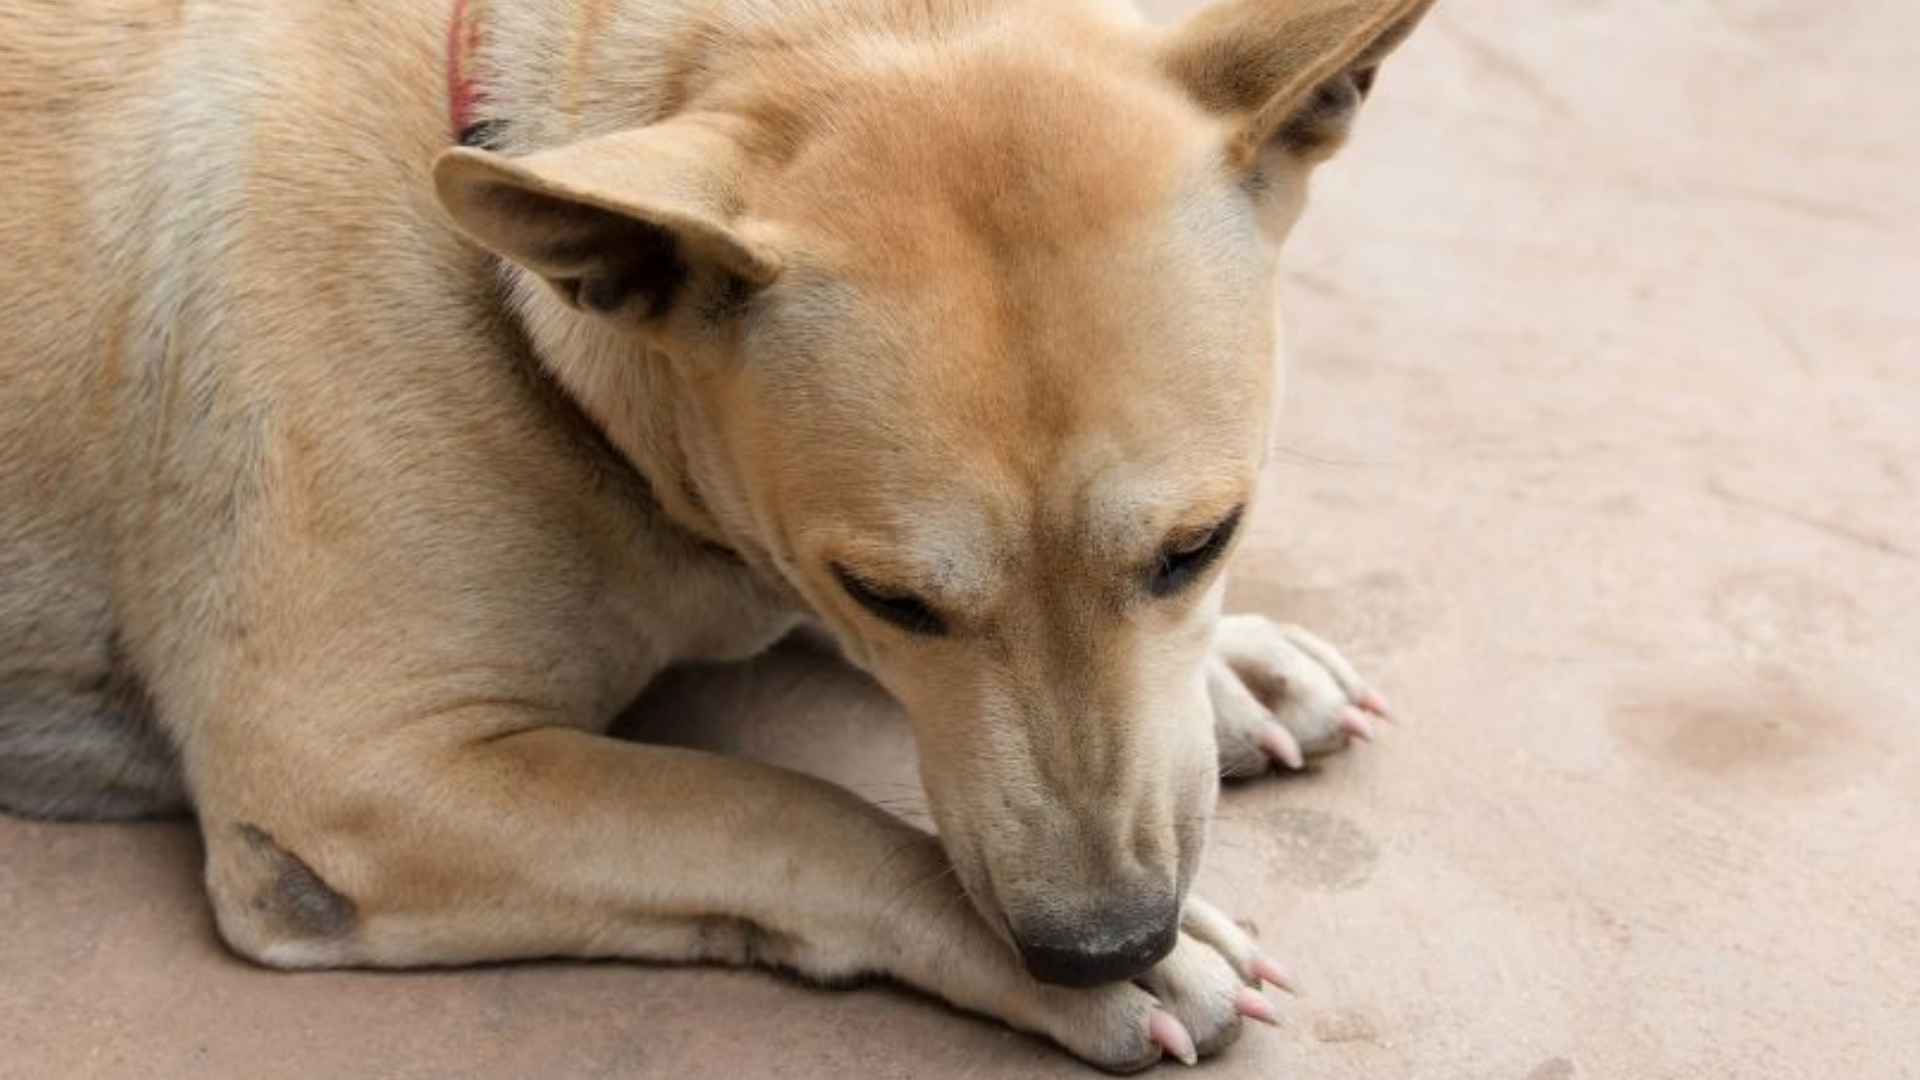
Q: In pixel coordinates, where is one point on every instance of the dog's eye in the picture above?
(1185, 558)
(904, 610)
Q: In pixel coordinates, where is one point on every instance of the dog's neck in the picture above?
(635, 396)
(630, 393)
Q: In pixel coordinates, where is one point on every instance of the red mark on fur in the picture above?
(463, 38)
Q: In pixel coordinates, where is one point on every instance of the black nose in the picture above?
(1103, 949)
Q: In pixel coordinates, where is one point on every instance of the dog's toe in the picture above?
(1281, 695)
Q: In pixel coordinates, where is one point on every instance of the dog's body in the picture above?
(318, 517)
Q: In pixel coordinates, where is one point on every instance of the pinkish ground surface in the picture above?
(1603, 457)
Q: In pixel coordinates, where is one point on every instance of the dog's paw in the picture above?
(1189, 1006)
(1282, 695)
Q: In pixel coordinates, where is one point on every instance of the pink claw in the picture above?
(1355, 723)
(1167, 1030)
(1270, 972)
(1254, 1005)
(1371, 701)
(1279, 744)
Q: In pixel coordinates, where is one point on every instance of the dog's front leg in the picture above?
(557, 842)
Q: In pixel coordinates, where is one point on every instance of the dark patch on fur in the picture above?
(488, 134)
(294, 895)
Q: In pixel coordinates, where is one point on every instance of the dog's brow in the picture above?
(945, 550)
(1127, 506)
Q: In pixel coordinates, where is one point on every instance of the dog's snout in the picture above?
(1117, 942)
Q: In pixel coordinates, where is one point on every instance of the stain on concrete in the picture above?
(1766, 726)
(1345, 1025)
(1620, 505)
(1553, 1069)
(1317, 850)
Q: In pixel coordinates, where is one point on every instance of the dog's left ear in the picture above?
(627, 225)
(1292, 72)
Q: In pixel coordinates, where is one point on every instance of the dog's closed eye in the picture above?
(1188, 555)
(904, 610)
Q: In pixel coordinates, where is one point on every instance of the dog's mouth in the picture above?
(973, 871)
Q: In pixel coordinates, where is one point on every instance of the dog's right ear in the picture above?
(624, 225)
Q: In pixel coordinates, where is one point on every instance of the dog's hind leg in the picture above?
(83, 753)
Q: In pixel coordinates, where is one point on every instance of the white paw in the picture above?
(1281, 694)
(1189, 1006)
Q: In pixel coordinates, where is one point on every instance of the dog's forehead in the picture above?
(1001, 144)
(936, 440)
(1148, 345)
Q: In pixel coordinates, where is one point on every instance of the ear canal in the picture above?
(620, 225)
(1295, 71)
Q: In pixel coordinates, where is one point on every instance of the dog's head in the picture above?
(973, 347)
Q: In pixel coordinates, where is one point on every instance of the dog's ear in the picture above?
(1291, 72)
(624, 225)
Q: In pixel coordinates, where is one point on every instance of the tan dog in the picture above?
(352, 484)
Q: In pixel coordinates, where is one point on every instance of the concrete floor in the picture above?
(1603, 455)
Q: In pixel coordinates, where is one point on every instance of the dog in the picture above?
(393, 390)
